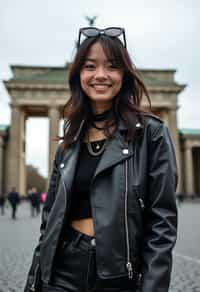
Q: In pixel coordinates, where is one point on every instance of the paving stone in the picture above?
(18, 239)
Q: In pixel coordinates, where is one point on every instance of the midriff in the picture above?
(84, 225)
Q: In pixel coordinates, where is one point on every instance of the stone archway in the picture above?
(42, 92)
(34, 93)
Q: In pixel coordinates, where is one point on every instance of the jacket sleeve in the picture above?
(160, 228)
(34, 277)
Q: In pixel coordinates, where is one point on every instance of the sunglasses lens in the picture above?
(113, 32)
(90, 32)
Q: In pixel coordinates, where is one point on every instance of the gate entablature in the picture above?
(42, 91)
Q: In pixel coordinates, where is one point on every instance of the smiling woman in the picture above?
(109, 221)
(100, 78)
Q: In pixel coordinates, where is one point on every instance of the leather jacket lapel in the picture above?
(116, 151)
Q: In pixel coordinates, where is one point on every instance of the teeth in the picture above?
(100, 86)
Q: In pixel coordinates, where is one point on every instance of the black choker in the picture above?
(107, 115)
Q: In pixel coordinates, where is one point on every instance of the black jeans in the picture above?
(75, 268)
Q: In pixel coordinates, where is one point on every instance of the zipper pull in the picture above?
(141, 203)
(32, 288)
(130, 270)
(34, 282)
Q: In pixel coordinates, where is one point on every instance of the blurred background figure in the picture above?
(14, 200)
(2, 203)
(34, 197)
(43, 197)
(180, 198)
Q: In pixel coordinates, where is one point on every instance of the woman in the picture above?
(109, 221)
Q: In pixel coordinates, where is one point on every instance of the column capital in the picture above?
(53, 107)
(14, 105)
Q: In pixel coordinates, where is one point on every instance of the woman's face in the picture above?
(100, 79)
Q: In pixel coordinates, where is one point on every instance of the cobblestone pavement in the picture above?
(18, 238)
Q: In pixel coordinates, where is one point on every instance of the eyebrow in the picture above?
(90, 59)
(93, 60)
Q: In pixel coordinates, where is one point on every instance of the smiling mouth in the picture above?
(101, 86)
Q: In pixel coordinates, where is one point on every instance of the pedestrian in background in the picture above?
(2, 203)
(110, 219)
(14, 200)
(34, 198)
(180, 198)
(43, 197)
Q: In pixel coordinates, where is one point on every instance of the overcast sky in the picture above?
(160, 34)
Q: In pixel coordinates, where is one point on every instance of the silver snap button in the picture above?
(125, 151)
(62, 165)
(138, 125)
(93, 242)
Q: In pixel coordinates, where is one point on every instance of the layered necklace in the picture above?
(96, 148)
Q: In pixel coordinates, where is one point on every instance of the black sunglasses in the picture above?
(112, 32)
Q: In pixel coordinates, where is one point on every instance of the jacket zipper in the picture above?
(129, 265)
(140, 200)
(35, 278)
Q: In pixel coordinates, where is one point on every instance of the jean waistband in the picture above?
(79, 237)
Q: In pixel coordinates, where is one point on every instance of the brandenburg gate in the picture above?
(42, 92)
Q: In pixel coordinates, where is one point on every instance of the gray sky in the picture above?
(160, 34)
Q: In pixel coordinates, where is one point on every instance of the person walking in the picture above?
(14, 199)
(109, 222)
(2, 203)
(34, 198)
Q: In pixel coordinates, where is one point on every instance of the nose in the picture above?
(101, 73)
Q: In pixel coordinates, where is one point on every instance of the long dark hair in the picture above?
(126, 104)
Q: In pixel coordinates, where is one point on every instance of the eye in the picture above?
(89, 66)
(113, 65)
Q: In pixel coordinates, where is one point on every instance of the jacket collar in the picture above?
(117, 150)
(122, 128)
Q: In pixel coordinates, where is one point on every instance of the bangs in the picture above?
(113, 49)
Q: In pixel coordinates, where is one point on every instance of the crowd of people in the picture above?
(13, 199)
(36, 198)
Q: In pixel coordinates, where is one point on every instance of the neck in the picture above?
(100, 107)
(103, 116)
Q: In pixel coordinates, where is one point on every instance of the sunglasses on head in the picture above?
(90, 32)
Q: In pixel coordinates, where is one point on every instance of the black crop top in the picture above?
(80, 206)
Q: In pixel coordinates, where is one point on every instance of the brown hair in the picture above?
(126, 104)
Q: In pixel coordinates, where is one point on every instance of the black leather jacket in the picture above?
(133, 207)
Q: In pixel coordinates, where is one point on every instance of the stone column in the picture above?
(172, 124)
(16, 171)
(165, 116)
(189, 175)
(1, 164)
(54, 117)
(23, 153)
